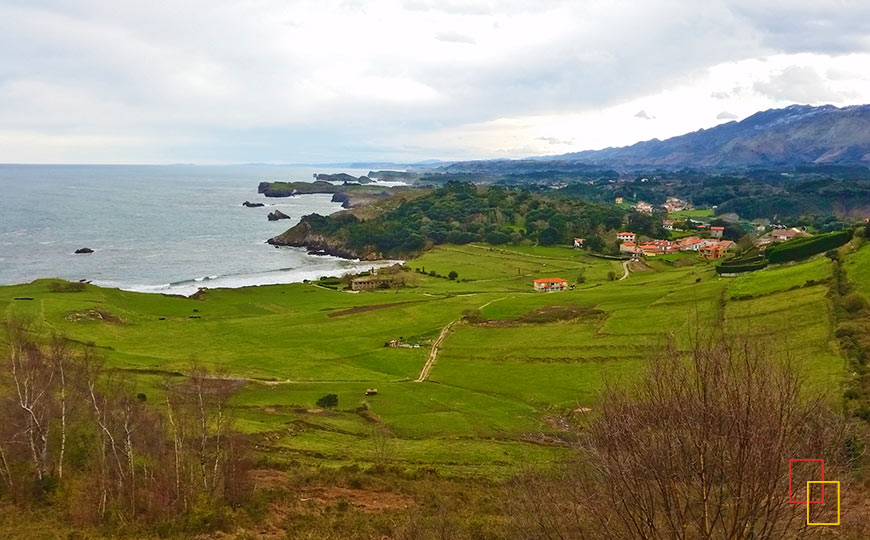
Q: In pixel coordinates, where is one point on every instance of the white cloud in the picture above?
(269, 80)
(725, 115)
(454, 37)
(643, 115)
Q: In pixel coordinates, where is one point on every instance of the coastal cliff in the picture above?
(303, 235)
(349, 195)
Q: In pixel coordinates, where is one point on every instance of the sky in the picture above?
(285, 81)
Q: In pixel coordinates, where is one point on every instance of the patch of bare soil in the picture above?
(549, 314)
(640, 266)
(363, 309)
(100, 315)
(361, 499)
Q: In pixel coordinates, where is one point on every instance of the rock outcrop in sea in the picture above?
(83, 250)
(276, 215)
(250, 204)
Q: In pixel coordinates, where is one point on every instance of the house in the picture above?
(668, 224)
(644, 207)
(784, 235)
(618, 200)
(762, 241)
(578, 242)
(673, 204)
(551, 284)
(693, 243)
(650, 249)
(717, 250)
(626, 236)
(629, 247)
(368, 283)
(717, 232)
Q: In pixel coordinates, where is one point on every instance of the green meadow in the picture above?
(499, 385)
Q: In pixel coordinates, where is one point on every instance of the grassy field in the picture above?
(497, 388)
(697, 213)
(780, 278)
(857, 267)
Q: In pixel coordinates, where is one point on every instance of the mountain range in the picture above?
(794, 135)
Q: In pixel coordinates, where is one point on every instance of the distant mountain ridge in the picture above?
(797, 134)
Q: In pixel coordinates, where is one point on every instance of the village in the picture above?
(704, 239)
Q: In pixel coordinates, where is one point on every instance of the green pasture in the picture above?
(857, 267)
(696, 213)
(780, 278)
(495, 386)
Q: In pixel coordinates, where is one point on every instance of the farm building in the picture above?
(551, 284)
(787, 234)
(644, 207)
(578, 242)
(716, 232)
(668, 224)
(673, 204)
(717, 250)
(626, 236)
(369, 283)
(629, 247)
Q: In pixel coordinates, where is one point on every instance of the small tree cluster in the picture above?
(79, 435)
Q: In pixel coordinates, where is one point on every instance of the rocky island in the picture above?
(276, 215)
(356, 194)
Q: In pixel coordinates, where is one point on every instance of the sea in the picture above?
(159, 229)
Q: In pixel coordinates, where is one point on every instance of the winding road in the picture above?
(624, 270)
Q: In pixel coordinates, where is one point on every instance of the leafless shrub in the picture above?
(699, 448)
(127, 460)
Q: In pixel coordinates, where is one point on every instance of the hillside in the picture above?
(457, 213)
(795, 135)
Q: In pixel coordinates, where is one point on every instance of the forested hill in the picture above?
(457, 213)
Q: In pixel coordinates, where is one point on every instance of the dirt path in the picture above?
(624, 270)
(433, 353)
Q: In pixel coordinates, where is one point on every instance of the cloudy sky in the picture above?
(213, 81)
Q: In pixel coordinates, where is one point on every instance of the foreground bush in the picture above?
(698, 449)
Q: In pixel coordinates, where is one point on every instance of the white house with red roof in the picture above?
(626, 236)
(717, 232)
(551, 284)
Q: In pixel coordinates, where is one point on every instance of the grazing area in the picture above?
(464, 374)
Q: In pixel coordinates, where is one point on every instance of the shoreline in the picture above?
(281, 276)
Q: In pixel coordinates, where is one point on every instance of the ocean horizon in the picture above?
(157, 228)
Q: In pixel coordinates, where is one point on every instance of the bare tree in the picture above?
(383, 446)
(699, 448)
(32, 380)
(60, 357)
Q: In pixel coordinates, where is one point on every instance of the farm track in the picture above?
(624, 270)
(433, 353)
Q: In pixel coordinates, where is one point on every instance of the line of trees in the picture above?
(79, 436)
